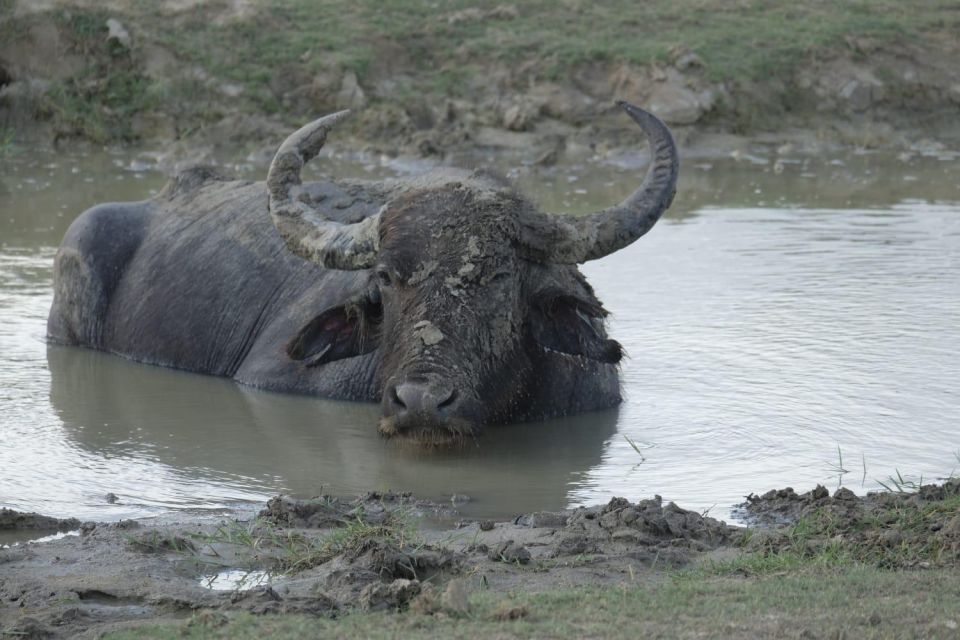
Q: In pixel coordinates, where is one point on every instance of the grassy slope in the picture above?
(862, 602)
(743, 41)
(746, 39)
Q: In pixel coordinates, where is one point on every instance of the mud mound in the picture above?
(891, 529)
(786, 506)
(11, 520)
(650, 522)
(325, 512)
(647, 531)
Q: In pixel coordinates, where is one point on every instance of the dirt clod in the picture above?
(509, 552)
(506, 613)
(394, 595)
(455, 598)
(28, 629)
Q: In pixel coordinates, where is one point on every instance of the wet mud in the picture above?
(387, 551)
(11, 520)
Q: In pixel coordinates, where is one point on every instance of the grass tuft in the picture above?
(292, 551)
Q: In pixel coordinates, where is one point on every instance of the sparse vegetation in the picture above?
(158, 541)
(286, 57)
(291, 551)
(862, 602)
(890, 531)
(740, 41)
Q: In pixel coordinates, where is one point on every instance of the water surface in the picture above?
(784, 321)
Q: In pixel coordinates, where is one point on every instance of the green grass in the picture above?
(862, 603)
(291, 551)
(899, 534)
(288, 42)
(738, 40)
(158, 541)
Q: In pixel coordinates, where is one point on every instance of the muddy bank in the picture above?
(238, 75)
(11, 520)
(327, 556)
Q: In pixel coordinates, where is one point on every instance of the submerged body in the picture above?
(448, 298)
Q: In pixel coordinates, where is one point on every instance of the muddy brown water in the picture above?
(785, 322)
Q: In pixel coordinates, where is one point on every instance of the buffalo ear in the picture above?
(346, 331)
(572, 326)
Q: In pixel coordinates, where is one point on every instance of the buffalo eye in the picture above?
(384, 278)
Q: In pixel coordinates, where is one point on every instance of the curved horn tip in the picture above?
(304, 136)
(636, 112)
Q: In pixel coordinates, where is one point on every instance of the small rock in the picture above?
(486, 525)
(544, 519)
(510, 553)
(677, 104)
(28, 628)
(952, 528)
(504, 12)
(506, 613)
(891, 538)
(470, 14)
(455, 598)
(548, 158)
(844, 494)
(395, 595)
(118, 33)
(687, 61)
(351, 95)
(112, 498)
(518, 117)
(208, 619)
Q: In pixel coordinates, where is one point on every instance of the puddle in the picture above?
(236, 580)
(15, 538)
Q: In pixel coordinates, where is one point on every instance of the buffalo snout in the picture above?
(423, 408)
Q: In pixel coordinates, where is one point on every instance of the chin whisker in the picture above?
(454, 434)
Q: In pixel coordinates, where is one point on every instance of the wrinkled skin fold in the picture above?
(450, 299)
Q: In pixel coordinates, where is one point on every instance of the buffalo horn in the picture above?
(573, 239)
(305, 230)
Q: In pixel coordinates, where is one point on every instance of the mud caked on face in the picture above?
(474, 301)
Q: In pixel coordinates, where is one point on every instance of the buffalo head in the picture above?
(473, 300)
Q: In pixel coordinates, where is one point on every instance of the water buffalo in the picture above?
(449, 298)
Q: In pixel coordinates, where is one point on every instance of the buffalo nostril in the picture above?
(448, 402)
(420, 404)
(395, 399)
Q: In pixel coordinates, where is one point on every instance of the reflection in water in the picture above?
(19, 537)
(225, 433)
(770, 318)
(235, 580)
